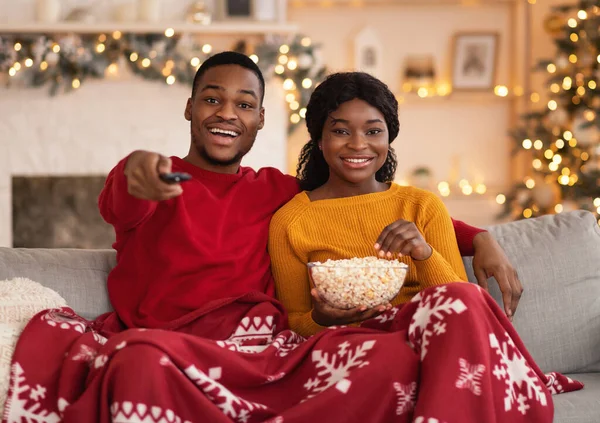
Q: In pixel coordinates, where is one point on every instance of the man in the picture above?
(193, 268)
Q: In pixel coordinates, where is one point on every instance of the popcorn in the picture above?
(350, 283)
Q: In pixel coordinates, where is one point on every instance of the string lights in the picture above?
(562, 139)
(66, 62)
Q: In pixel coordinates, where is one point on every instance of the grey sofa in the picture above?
(557, 257)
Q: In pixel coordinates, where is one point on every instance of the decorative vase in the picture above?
(282, 11)
(80, 14)
(125, 11)
(47, 11)
(265, 10)
(199, 12)
(149, 10)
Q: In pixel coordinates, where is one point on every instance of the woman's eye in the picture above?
(340, 131)
(374, 132)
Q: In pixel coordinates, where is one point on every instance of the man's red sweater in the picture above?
(209, 243)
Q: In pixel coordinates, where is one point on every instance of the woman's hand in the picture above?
(326, 315)
(490, 260)
(403, 238)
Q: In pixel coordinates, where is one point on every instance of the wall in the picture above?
(464, 134)
(436, 132)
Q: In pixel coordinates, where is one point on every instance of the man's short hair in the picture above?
(230, 58)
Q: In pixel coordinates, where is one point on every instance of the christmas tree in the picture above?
(562, 141)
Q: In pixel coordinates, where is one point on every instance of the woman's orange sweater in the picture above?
(304, 231)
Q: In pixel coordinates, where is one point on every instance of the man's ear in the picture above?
(261, 123)
(188, 110)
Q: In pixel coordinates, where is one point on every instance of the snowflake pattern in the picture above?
(517, 374)
(86, 353)
(244, 416)
(99, 338)
(230, 404)
(422, 419)
(62, 405)
(334, 369)
(387, 316)
(129, 412)
(100, 360)
(428, 319)
(470, 376)
(554, 385)
(17, 409)
(64, 320)
(407, 397)
(439, 328)
(37, 393)
(286, 342)
(275, 378)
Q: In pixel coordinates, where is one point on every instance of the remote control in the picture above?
(175, 177)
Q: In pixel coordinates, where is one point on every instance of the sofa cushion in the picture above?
(79, 276)
(579, 406)
(558, 261)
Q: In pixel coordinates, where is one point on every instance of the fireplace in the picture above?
(58, 212)
(55, 152)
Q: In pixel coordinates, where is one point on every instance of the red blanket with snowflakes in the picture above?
(448, 356)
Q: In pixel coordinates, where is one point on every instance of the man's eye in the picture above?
(245, 106)
(211, 100)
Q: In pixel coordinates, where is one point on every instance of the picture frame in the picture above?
(368, 52)
(238, 9)
(419, 71)
(248, 10)
(474, 61)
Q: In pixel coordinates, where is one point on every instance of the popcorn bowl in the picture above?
(350, 283)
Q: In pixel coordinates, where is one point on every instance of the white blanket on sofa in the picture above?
(20, 300)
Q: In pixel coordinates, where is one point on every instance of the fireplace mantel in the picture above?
(217, 28)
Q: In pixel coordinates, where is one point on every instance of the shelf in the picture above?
(454, 97)
(298, 4)
(489, 196)
(216, 28)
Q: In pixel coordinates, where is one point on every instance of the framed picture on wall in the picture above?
(238, 8)
(259, 10)
(368, 52)
(474, 61)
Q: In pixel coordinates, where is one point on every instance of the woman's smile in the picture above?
(357, 162)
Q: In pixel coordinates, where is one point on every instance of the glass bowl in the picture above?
(368, 281)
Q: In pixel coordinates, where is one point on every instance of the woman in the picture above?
(472, 366)
(347, 171)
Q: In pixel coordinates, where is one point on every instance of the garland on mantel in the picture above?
(64, 63)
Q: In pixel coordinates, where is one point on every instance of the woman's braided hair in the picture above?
(338, 88)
